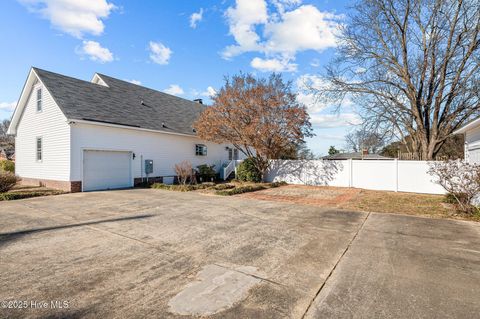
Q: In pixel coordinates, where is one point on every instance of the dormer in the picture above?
(98, 80)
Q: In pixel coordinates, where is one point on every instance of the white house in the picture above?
(472, 141)
(77, 135)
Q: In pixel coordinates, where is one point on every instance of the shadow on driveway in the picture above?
(12, 236)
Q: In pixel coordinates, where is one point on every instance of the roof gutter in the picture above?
(73, 121)
(467, 127)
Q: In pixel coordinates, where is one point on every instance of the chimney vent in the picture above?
(199, 101)
(365, 151)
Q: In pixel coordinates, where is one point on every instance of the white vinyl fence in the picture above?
(388, 175)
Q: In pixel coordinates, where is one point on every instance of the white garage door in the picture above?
(106, 170)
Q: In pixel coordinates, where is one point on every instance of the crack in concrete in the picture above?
(251, 275)
(335, 266)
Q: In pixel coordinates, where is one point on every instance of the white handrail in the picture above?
(227, 170)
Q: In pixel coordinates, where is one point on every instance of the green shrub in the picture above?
(221, 187)
(247, 172)
(160, 186)
(278, 184)
(240, 190)
(23, 195)
(208, 184)
(206, 172)
(7, 166)
(452, 198)
(7, 181)
(182, 188)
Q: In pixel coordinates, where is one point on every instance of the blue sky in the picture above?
(181, 47)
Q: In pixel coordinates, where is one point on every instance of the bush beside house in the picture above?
(248, 172)
(7, 165)
(7, 181)
(462, 182)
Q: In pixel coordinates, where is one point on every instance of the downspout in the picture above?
(141, 167)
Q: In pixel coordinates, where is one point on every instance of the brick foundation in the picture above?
(75, 186)
(138, 180)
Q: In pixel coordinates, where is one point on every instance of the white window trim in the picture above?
(202, 145)
(41, 149)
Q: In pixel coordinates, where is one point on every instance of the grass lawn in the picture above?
(21, 192)
(404, 203)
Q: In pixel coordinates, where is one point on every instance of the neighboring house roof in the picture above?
(356, 156)
(7, 153)
(469, 126)
(120, 103)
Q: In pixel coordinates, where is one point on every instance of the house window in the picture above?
(39, 149)
(232, 154)
(200, 150)
(39, 100)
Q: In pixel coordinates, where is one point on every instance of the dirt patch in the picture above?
(362, 200)
(308, 195)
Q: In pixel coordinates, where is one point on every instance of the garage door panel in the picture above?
(106, 170)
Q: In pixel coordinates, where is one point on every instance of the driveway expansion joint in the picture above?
(335, 266)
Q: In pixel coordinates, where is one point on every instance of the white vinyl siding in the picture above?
(51, 125)
(474, 155)
(472, 146)
(165, 150)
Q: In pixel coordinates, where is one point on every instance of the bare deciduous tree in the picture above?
(184, 171)
(363, 139)
(6, 141)
(260, 117)
(412, 66)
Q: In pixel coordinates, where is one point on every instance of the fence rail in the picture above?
(418, 157)
(395, 175)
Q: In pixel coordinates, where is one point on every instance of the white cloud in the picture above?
(290, 29)
(195, 18)
(242, 20)
(305, 28)
(273, 65)
(174, 89)
(159, 53)
(137, 82)
(331, 137)
(8, 106)
(75, 17)
(305, 84)
(334, 120)
(95, 52)
(209, 92)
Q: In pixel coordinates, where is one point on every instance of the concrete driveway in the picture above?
(151, 253)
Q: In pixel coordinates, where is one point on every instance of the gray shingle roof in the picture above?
(356, 156)
(121, 103)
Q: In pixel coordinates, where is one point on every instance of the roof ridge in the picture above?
(145, 87)
(62, 75)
